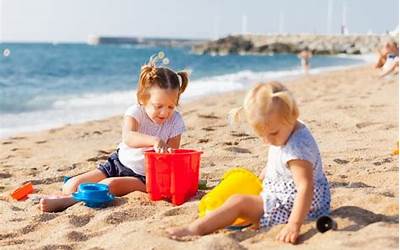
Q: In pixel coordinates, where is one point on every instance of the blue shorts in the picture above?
(114, 168)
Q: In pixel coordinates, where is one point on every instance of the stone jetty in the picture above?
(279, 43)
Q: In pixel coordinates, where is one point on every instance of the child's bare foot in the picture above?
(177, 232)
(55, 203)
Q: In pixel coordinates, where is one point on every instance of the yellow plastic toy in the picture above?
(235, 181)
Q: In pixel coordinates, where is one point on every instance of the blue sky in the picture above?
(74, 20)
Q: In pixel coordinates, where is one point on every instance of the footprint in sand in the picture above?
(365, 124)
(230, 143)
(336, 184)
(238, 150)
(5, 175)
(29, 228)
(17, 138)
(16, 220)
(67, 168)
(177, 211)
(6, 142)
(83, 134)
(340, 161)
(237, 134)
(202, 141)
(388, 126)
(102, 157)
(209, 116)
(388, 194)
(80, 221)
(243, 136)
(359, 185)
(247, 138)
(8, 236)
(59, 247)
(208, 129)
(54, 130)
(188, 112)
(103, 151)
(135, 213)
(49, 180)
(40, 142)
(386, 160)
(14, 242)
(17, 209)
(45, 217)
(77, 236)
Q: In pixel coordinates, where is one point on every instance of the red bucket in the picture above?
(173, 176)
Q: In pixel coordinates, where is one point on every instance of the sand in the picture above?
(352, 114)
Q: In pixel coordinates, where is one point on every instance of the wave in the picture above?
(81, 108)
(365, 58)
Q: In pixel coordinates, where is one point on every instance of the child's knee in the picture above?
(71, 185)
(107, 181)
(110, 182)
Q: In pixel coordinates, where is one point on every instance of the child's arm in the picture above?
(381, 59)
(262, 174)
(134, 139)
(303, 177)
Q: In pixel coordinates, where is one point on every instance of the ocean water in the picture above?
(49, 85)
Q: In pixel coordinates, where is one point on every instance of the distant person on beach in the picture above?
(305, 57)
(152, 123)
(294, 184)
(388, 59)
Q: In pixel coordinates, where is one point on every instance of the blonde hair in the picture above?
(263, 99)
(162, 77)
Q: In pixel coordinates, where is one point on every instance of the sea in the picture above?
(45, 85)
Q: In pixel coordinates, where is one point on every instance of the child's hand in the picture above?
(289, 233)
(161, 147)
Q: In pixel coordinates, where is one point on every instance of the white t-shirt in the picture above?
(133, 158)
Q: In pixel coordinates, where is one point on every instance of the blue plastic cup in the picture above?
(93, 194)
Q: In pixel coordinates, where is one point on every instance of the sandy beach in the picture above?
(352, 114)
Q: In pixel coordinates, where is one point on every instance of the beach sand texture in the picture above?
(352, 114)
